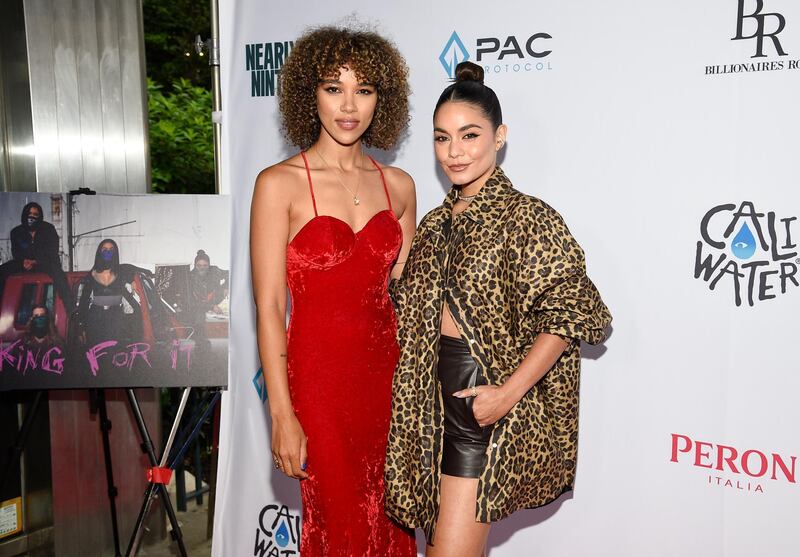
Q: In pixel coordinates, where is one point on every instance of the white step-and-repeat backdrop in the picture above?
(666, 133)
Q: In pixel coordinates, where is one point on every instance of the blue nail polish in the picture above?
(303, 466)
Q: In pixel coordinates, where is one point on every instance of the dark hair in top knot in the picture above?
(469, 88)
(201, 256)
(467, 71)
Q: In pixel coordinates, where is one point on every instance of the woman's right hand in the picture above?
(289, 446)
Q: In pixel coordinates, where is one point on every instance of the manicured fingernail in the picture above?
(303, 466)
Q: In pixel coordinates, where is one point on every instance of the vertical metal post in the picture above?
(216, 86)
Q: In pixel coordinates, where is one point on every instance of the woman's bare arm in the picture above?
(269, 232)
(405, 198)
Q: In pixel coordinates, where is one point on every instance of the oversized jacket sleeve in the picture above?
(554, 294)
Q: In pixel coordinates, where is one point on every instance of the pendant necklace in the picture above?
(356, 200)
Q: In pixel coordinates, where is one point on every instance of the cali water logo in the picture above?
(509, 54)
(760, 258)
(278, 532)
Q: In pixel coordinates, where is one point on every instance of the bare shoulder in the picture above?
(400, 183)
(281, 182)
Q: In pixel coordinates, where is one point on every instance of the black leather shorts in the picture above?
(465, 441)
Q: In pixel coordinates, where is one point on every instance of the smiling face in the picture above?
(465, 142)
(345, 106)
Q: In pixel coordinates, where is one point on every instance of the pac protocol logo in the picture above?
(754, 24)
(498, 55)
(753, 254)
(263, 61)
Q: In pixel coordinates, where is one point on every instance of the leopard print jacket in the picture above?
(508, 269)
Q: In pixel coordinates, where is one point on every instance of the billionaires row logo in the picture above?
(754, 24)
(278, 532)
(510, 54)
(753, 252)
(264, 61)
(730, 467)
(761, 21)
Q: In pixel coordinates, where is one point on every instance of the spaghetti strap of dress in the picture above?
(311, 187)
(383, 180)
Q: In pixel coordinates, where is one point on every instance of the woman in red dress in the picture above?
(332, 225)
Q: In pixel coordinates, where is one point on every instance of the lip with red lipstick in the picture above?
(347, 124)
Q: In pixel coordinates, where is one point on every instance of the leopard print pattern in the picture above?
(509, 269)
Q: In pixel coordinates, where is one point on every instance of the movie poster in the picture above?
(113, 290)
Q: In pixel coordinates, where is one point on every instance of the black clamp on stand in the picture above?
(160, 472)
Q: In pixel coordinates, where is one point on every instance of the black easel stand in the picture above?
(97, 402)
(22, 438)
(158, 483)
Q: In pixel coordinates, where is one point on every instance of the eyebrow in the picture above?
(338, 82)
(461, 129)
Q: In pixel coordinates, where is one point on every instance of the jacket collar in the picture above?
(490, 201)
(484, 210)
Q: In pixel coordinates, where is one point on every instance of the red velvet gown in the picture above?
(342, 353)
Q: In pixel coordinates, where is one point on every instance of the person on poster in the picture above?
(208, 287)
(332, 224)
(108, 306)
(42, 339)
(34, 249)
(492, 305)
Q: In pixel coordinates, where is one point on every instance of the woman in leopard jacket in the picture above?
(491, 306)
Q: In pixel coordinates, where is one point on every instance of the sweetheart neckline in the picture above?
(355, 233)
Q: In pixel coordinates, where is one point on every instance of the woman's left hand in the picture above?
(490, 403)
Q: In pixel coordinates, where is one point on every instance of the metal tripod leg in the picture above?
(147, 445)
(21, 440)
(105, 427)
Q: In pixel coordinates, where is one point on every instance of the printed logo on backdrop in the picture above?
(512, 54)
(750, 255)
(278, 532)
(260, 385)
(263, 61)
(751, 471)
(762, 30)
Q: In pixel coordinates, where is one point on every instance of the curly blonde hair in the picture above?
(319, 54)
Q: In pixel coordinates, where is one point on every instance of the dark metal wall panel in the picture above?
(80, 497)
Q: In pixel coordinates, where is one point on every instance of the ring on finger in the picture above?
(473, 391)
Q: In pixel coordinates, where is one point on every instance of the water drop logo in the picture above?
(750, 254)
(278, 532)
(744, 244)
(282, 535)
(453, 54)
